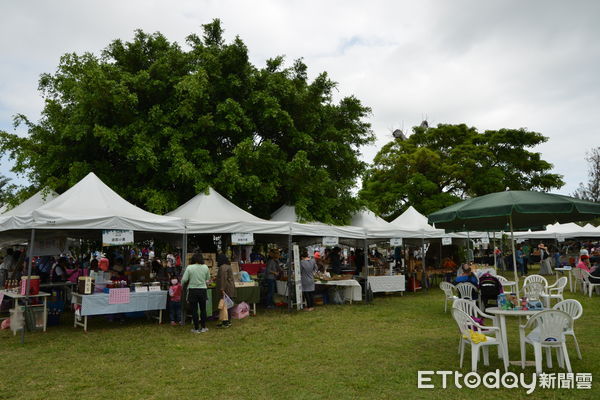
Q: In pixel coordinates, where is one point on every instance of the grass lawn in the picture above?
(337, 352)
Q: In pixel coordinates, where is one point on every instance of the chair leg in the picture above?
(577, 346)
(474, 357)
(560, 358)
(462, 352)
(537, 350)
(549, 357)
(523, 353)
(460, 345)
(486, 355)
(566, 357)
(446, 305)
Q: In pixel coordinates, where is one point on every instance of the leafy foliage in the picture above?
(436, 167)
(159, 124)
(591, 190)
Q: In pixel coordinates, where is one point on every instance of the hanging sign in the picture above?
(396, 242)
(330, 240)
(116, 237)
(242, 238)
(498, 235)
(446, 241)
(560, 238)
(49, 247)
(485, 240)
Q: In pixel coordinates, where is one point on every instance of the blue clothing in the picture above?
(467, 278)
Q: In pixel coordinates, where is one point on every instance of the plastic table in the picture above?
(16, 296)
(502, 314)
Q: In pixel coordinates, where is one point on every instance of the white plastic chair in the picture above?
(449, 293)
(579, 280)
(471, 309)
(575, 310)
(555, 291)
(589, 284)
(546, 329)
(467, 290)
(536, 278)
(503, 281)
(465, 325)
(533, 290)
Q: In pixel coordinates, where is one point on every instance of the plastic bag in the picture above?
(228, 302)
(240, 311)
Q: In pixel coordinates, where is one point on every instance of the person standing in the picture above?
(526, 256)
(271, 272)
(195, 277)
(175, 291)
(520, 256)
(336, 261)
(545, 267)
(225, 285)
(308, 268)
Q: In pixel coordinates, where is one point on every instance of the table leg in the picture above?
(504, 337)
(570, 282)
(45, 313)
(85, 323)
(254, 309)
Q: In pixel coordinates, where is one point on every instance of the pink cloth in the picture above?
(583, 266)
(175, 292)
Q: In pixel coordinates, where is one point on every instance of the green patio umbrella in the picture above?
(513, 210)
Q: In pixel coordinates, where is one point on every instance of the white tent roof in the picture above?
(414, 224)
(21, 214)
(213, 213)
(288, 213)
(369, 220)
(568, 230)
(90, 204)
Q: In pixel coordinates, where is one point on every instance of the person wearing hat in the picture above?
(225, 285)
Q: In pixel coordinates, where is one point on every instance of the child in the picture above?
(175, 291)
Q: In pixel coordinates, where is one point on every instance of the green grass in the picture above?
(337, 352)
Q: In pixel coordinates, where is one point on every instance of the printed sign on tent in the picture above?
(396, 242)
(560, 238)
(446, 241)
(116, 237)
(485, 240)
(330, 240)
(242, 238)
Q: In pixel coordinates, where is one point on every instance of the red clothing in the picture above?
(103, 264)
(175, 292)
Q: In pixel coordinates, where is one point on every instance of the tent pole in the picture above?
(28, 283)
(291, 288)
(425, 279)
(366, 270)
(514, 256)
(494, 248)
(184, 245)
(468, 248)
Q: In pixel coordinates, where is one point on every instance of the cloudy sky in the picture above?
(489, 64)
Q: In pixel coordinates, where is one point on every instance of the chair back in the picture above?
(464, 322)
(467, 290)
(533, 290)
(501, 279)
(577, 273)
(585, 276)
(467, 306)
(571, 307)
(560, 285)
(536, 278)
(448, 288)
(551, 325)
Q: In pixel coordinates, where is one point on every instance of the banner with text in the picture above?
(117, 237)
(242, 238)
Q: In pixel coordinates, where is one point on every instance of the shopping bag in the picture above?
(240, 311)
(223, 316)
(228, 302)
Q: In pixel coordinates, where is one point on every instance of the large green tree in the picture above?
(159, 123)
(438, 166)
(591, 189)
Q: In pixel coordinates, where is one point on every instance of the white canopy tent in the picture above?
(22, 213)
(91, 205)
(213, 213)
(287, 213)
(558, 231)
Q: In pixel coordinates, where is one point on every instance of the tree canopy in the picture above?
(438, 166)
(159, 123)
(590, 190)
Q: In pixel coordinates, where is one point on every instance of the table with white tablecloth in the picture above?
(350, 288)
(387, 283)
(98, 304)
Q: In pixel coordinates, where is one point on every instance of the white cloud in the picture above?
(487, 64)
